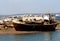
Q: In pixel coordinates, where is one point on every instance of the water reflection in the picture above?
(43, 36)
(47, 36)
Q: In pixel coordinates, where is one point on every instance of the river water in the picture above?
(43, 36)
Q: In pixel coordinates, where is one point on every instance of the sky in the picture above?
(8, 7)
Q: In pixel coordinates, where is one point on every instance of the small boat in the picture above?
(36, 25)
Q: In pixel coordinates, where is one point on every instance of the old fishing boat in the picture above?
(35, 23)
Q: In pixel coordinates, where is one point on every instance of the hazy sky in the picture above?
(29, 6)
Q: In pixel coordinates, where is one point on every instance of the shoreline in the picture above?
(19, 32)
(13, 31)
(58, 26)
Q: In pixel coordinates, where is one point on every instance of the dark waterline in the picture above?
(43, 36)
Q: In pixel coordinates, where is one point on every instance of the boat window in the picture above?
(34, 19)
(30, 19)
(40, 19)
(21, 20)
(26, 20)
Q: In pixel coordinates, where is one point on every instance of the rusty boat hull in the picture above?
(34, 27)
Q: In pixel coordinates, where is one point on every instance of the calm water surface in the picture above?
(43, 36)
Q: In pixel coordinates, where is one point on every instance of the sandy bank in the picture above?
(58, 26)
(19, 32)
(13, 31)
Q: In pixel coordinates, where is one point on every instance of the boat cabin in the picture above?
(47, 17)
(32, 18)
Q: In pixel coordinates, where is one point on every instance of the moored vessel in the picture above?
(35, 23)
